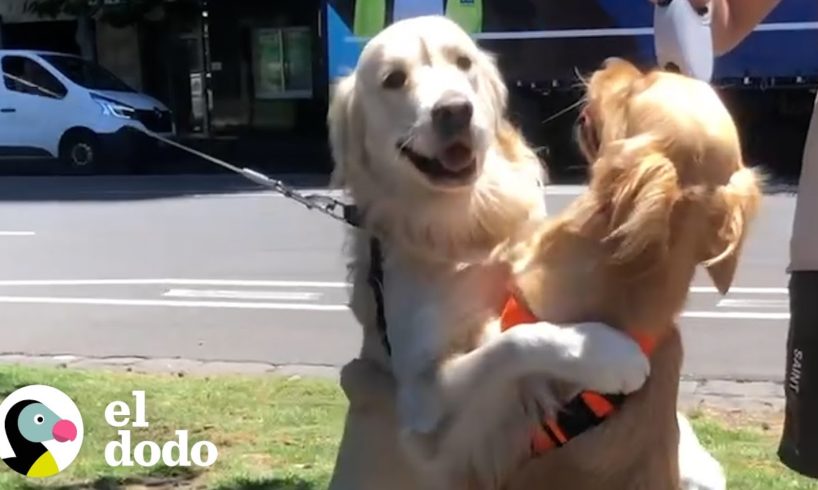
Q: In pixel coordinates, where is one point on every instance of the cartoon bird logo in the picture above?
(40, 443)
(28, 425)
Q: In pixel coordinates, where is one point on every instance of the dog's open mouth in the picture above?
(455, 164)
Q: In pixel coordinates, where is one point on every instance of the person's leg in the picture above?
(799, 442)
(798, 449)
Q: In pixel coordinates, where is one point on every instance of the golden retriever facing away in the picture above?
(668, 191)
(423, 148)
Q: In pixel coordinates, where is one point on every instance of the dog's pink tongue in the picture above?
(457, 157)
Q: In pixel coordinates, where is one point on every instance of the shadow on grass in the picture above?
(179, 478)
(268, 484)
(161, 478)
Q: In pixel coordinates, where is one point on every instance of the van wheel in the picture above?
(80, 152)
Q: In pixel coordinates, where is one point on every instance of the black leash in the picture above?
(338, 210)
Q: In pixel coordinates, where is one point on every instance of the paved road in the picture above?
(206, 268)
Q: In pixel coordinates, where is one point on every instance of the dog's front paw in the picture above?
(608, 361)
(538, 397)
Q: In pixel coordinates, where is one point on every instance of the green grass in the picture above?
(271, 433)
(278, 434)
(747, 450)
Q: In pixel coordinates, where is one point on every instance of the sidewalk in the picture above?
(718, 394)
(731, 395)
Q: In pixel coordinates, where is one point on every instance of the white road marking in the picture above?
(740, 290)
(65, 358)
(49, 300)
(173, 282)
(554, 190)
(550, 190)
(286, 284)
(17, 233)
(736, 315)
(235, 294)
(753, 303)
(336, 193)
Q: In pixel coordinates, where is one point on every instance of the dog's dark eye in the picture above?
(463, 62)
(395, 80)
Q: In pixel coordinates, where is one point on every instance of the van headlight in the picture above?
(115, 109)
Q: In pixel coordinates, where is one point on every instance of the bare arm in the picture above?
(734, 20)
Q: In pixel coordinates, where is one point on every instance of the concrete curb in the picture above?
(177, 366)
(719, 394)
(731, 395)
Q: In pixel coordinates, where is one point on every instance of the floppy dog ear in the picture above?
(345, 130)
(735, 205)
(612, 87)
(497, 90)
(639, 187)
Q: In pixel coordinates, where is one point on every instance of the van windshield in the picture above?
(87, 74)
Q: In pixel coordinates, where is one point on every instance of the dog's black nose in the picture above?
(452, 114)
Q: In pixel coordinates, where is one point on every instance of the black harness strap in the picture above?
(376, 283)
(352, 216)
(576, 417)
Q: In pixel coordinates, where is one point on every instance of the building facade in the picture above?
(251, 72)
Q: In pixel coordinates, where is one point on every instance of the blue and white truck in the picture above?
(542, 45)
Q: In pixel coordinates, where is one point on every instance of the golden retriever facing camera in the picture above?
(423, 148)
(668, 192)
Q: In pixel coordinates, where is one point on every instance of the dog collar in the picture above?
(583, 412)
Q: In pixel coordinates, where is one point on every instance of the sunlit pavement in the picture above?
(207, 268)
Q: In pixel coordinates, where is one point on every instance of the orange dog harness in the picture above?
(586, 410)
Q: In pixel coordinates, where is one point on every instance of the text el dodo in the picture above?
(148, 453)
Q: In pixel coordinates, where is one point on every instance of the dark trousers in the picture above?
(798, 449)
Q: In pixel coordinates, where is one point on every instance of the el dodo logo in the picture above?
(41, 431)
(177, 452)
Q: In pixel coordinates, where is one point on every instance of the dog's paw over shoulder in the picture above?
(608, 360)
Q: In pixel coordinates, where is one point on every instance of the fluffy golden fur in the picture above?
(439, 213)
(668, 192)
(440, 201)
(426, 226)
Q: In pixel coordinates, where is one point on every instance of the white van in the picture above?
(62, 106)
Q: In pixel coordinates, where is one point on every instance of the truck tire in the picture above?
(80, 152)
